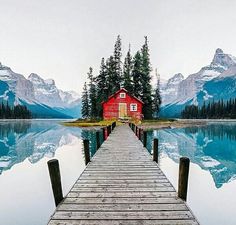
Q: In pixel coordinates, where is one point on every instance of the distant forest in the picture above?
(213, 110)
(134, 74)
(15, 112)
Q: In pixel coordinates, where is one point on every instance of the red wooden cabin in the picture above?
(122, 105)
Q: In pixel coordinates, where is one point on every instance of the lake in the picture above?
(26, 146)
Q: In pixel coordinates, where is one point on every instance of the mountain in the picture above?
(41, 97)
(169, 89)
(212, 82)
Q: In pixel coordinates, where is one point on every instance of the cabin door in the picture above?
(122, 110)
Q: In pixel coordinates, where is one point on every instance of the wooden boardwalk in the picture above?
(122, 186)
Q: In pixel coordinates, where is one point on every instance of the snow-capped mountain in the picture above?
(201, 86)
(169, 89)
(41, 96)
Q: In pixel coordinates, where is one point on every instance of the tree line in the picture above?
(213, 110)
(14, 112)
(134, 74)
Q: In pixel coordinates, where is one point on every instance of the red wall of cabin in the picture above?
(111, 107)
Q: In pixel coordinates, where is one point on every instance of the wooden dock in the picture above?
(122, 186)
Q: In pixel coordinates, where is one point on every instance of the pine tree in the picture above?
(85, 103)
(112, 80)
(146, 82)
(117, 61)
(92, 94)
(157, 97)
(101, 83)
(127, 73)
(113, 67)
(137, 75)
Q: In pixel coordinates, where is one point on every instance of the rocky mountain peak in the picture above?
(222, 59)
(219, 51)
(177, 77)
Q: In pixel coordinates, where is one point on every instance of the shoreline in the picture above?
(172, 124)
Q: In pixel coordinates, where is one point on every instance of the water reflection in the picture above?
(33, 140)
(212, 147)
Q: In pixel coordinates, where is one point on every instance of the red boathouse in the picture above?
(122, 105)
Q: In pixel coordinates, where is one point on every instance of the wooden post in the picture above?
(55, 177)
(104, 133)
(109, 130)
(155, 150)
(183, 177)
(98, 139)
(86, 151)
(140, 134)
(113, 125)
(144, 139)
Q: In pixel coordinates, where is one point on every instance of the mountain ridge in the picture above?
(200, 86)
(41, 96)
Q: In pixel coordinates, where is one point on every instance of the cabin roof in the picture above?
(116, 93)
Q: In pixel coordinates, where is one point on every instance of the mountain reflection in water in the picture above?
(212, 147)
(31, 139)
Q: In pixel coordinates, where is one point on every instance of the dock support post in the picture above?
(113, 125)
(136, 131)
(104, 133)
(86, 151)
(98, 139)
(155, 150)
(144, 139)
(139, 133)
(109, 130)
(183, 177)
(55, 177)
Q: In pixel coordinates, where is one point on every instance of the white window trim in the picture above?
(135, 109)
(122, 95)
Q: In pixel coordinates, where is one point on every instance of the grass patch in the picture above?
(161, 120)
(90, 123)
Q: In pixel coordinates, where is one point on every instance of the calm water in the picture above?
(212, 184)
(25, 147)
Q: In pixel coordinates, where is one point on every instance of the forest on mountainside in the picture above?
(213, 110)
(14, 112)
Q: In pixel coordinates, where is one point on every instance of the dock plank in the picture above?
(122, 186)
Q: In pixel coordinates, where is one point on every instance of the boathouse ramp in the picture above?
(122, 186)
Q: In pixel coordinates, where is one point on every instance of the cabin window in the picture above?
(122, 95)
(133, 107)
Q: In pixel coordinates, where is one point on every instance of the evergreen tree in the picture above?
(117, 61)
(112, 79)
(92, 94)
(113, 67)
(101, 83)
(146, 82)
(127, 73)
(85, 102)
(157, 97)
(137, 75)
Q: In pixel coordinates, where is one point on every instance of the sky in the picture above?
(61, 39)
